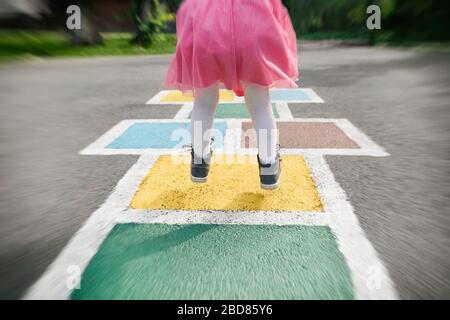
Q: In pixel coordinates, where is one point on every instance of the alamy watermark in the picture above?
(73, 280)
(73, 21)
(374, 20)
(374, 276)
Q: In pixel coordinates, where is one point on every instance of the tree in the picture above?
(150, 17)
(141, 16)
(146, 15)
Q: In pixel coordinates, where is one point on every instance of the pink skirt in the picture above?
(233, 42)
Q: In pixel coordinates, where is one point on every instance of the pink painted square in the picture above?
(303, 135)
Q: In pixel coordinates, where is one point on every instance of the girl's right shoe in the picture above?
(269, 174)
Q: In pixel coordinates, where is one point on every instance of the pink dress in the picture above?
(233, 42)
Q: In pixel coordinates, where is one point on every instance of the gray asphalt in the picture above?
(51, 109)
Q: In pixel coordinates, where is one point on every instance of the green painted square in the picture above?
(236, 111)
(160, 261)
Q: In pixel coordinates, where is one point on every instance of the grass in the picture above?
(383, 38)
(23, 44)
(18, 44)
(332, 35)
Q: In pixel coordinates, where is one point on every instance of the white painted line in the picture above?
(361, 139)
(370, 277)
(85, 243)
(184, 111)
(157, 98)
(283, 111)
(99, 145)
(224, 217)
(315, 98)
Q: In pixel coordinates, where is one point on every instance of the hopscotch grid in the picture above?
(338, 213)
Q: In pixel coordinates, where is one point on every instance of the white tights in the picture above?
(258, 103)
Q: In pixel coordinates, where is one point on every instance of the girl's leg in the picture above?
(202, 119)
(258, 103)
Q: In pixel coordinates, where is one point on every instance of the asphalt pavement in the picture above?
(52, 109)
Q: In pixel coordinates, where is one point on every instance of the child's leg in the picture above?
(260, 108)
(202, 119)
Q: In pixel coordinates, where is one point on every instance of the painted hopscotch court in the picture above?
(159, 236)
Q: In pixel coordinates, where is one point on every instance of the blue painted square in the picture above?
(160, 135)
(282, 95)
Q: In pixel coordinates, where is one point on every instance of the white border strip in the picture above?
(367, 146)
(312, 95)
(370, 277)
(224, 217)
(283, 111)
(315, 98)
(156, 99)
(184, 111)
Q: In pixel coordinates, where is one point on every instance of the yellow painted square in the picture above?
(180, 97)
(232, 185)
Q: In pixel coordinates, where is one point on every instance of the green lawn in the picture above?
(17, 44)
(23, 44)
(332, 35)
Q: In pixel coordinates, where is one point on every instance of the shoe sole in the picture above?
(270, 186)
(199, 180)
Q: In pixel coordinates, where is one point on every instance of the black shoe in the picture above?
(200, 167)
(269, 174)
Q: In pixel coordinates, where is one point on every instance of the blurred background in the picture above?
(60, 90)
(118, 27)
